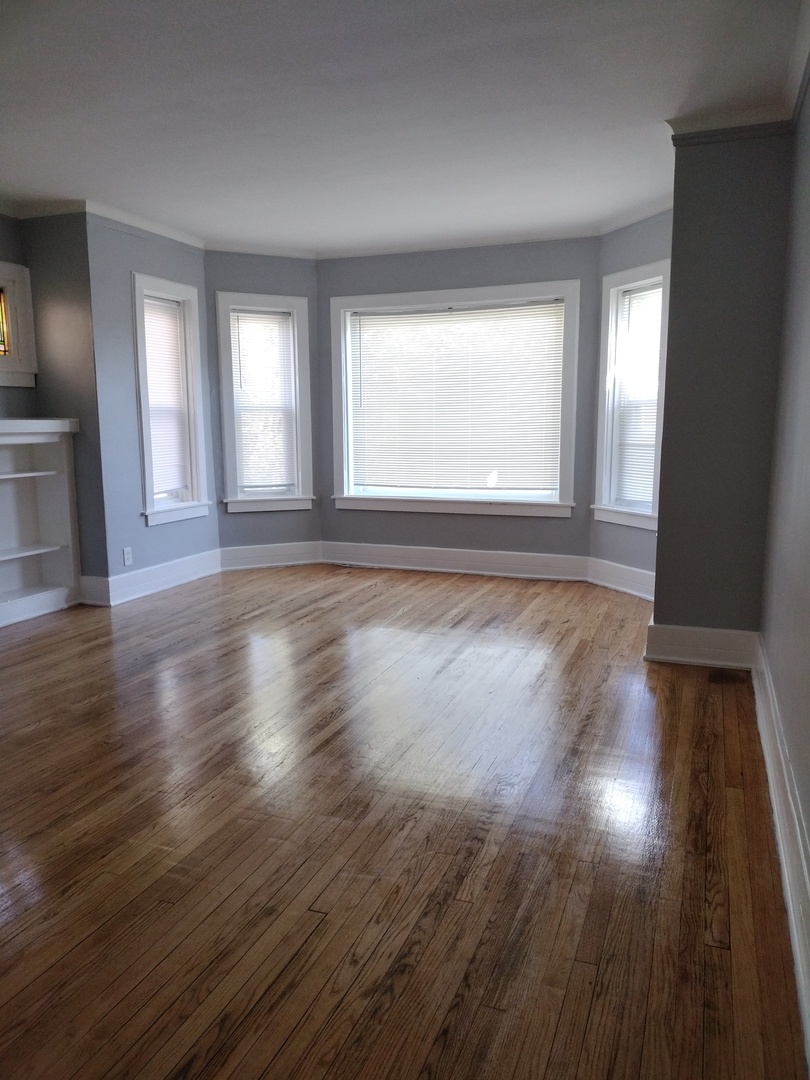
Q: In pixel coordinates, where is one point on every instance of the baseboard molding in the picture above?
(266, 555)
(702, 645)
(458, 560)
(108, 592)
(622, 578)
(791, 831)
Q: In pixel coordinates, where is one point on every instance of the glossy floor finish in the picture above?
(331, 823)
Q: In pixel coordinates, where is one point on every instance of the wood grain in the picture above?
(322, 823)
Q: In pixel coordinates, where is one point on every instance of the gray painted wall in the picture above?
(787, 600)
(115, 252)
(17, 401)
(229, 272)
(509, 264)
(56, 253)
(726, 293)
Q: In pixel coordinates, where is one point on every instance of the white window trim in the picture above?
(186, 295)
(612, 284)
(537, 291)
(18, 367)
(299, 308)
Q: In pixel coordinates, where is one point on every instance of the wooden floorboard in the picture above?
(321, 823)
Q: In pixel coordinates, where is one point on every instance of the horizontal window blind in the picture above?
(636, 361)
(460, 403)
(262, 351)
(168, 401)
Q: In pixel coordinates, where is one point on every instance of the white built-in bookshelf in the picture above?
(39, 553)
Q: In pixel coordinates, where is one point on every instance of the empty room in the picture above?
(405, 540)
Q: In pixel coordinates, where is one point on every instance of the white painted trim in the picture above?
(116, 590)
(95, 591)
(707, 646)
(253, 506)
(179, 512)
(42, 602)
(633, 518)
(267, 555)
(153, 579)
(626, 579)
(792, 833)
(459, 560)
(493, 507)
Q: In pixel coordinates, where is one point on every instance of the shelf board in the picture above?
(24, 552)
(26, 475)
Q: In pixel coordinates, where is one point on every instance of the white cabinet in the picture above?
(39, 554)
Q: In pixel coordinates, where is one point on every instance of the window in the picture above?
(264, 372)
(459, 401)
(18, 361)
(634, 306)
(170, 400)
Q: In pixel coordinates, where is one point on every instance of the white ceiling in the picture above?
(312, 127)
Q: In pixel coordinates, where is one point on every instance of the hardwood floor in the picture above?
(335, 823)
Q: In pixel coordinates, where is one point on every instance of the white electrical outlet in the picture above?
(127, 556)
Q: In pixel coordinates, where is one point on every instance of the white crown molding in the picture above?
(702, 645)
(791, 831)
(30, 208)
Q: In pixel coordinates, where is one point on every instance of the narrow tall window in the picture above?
(170, 399)
(18, 360)
(264, 369)
(632, 381)
(460, 403)
(168, 405)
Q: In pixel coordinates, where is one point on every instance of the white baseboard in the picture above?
(116, 590)
(702, 645)
(264, 555)
(622, 578)
(151, 579)
(791, 831)
(458, 560)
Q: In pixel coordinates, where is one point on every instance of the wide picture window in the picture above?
(463, 402)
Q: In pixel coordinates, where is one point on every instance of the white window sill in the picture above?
(284, 502)
(179, 512)
(635, 518)
(454, 506)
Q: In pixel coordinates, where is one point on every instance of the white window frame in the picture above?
(19, 365)
(612, 287)
(196, 505)
(342, 306)
(298, 307)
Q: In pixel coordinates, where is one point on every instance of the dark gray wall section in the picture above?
(11, 240)
(635, 245)
(17, 401)
(727, 283)
(56, 253)
(509, 264)
(115, 252)
(269, 275)
(787, 603)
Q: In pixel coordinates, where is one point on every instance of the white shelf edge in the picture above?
(27, 475)
(7, 554)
